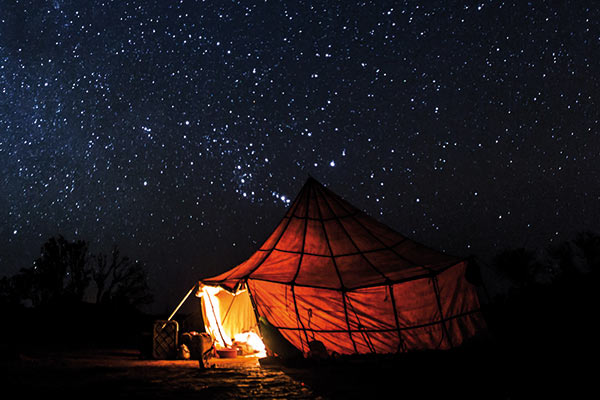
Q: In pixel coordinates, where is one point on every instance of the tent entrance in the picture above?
(230, 319)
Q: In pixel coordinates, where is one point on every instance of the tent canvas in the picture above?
(331, 273)
(230, 319)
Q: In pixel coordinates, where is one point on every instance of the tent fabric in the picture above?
(329, 272)
(227, 314)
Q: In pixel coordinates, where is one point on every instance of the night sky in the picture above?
(181, 130)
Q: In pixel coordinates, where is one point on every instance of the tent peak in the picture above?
(311, 181)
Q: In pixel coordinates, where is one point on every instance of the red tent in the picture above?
(331, 273)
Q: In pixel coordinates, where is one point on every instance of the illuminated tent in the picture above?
(331, 273)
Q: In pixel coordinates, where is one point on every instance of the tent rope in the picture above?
(364, 334)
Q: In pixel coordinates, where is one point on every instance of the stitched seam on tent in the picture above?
(401, 343)
(393, 329)
(298, 319)
(357, 253)
(379, 240)
(346, 289)
(337, 270)
(352, 240)
(364, 334)
(436, 289)
(295, 206)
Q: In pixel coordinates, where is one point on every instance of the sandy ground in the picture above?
(122, 374)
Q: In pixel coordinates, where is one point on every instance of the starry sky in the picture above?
(181, 130)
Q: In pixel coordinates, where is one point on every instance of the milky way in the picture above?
(182, 130)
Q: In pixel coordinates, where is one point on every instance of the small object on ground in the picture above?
(227, 353)
(183, 353)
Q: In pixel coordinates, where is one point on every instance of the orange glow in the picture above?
(228, 315)
(333, 274)
(252, 340)
(213, 315)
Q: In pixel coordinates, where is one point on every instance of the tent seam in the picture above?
(379, 240)
(343, 288)
(292, 283)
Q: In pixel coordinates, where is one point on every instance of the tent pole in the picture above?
(179, 305)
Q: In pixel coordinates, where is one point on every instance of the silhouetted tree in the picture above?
(516, 264)
(22, 287)
(120, 280)
(8, 293)
(578, 257)
(63, 273)
(570, 259)
(60, 273)
(589, 244)
(549, 285)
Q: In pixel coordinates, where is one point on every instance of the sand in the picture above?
(122, 374)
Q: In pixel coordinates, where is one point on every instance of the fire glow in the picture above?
(228, 315)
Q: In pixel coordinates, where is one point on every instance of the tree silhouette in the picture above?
(589, 244)
(59, 274)
(578, 257)
(120, 280)
(516, 264)
(63, 273)
(8, 292)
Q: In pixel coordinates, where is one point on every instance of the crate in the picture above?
(164, 342)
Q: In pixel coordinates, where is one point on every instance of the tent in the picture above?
(331, 273)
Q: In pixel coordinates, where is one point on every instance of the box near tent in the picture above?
(164, 343)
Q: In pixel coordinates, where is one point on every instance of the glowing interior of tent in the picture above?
(230, 319)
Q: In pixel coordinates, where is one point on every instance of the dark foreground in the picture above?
(541, 347)
(123, 374)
